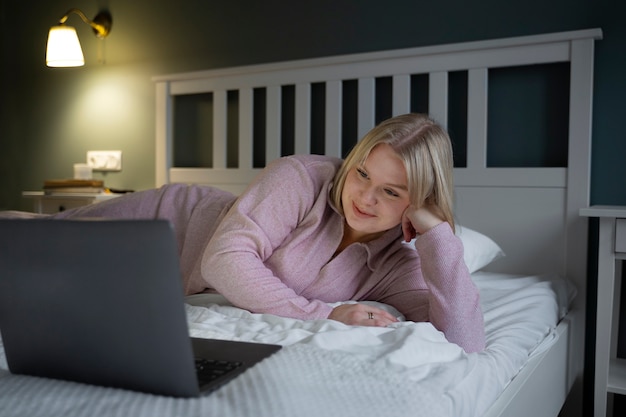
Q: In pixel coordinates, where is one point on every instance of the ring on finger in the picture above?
(370, 315)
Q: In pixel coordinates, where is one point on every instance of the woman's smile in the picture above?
(361, 213)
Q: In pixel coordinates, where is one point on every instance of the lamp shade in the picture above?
(63, 48)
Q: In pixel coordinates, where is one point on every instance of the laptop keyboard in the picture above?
(209, 370)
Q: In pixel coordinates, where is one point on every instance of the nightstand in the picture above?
(610, 372)
(54, 203)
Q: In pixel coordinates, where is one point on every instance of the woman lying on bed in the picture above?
(312, 230)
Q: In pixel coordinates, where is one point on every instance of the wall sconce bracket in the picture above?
(101, 24)
(103, 21)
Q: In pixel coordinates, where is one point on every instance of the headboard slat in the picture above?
(477, 81)
(332, 128)
(245, 127)
(273, 128)
(366, 106)
(219, 128)
(438, 96)
(302, 143)
(401, 94)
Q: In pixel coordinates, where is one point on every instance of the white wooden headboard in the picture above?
(488, 199)
(531, 211)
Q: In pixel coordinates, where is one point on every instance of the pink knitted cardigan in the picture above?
(271, 251)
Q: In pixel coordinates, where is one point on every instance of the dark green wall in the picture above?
(50, 117)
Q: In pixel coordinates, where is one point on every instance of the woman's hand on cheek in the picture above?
(417, 221)
(362, 315)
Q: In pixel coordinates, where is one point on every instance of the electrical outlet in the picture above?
(105, 160)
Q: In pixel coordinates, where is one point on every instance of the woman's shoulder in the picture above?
(299, 176)
(316, 167)
(310, 161)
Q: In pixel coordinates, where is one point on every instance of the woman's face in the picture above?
(375, 194)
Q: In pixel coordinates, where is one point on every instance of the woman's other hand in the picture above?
(362, 315)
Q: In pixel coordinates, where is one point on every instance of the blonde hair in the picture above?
(426, 151)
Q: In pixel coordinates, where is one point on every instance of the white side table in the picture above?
(54, 203)
(610, 372)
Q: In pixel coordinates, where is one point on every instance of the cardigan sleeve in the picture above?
(234, 261)
(437, 287)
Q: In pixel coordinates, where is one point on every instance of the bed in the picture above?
(524, 241)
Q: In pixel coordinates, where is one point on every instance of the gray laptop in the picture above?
(101, 302)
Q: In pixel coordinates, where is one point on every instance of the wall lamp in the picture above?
(63, 49)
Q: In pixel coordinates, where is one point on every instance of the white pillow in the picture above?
(478, 250)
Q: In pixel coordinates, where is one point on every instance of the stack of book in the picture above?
(73, 186)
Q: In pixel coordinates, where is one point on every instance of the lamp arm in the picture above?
(101, 24)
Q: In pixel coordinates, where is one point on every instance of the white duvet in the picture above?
(330, 369)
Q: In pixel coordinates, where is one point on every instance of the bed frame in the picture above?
(532, 212)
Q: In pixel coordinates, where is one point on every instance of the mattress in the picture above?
(330, 368)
